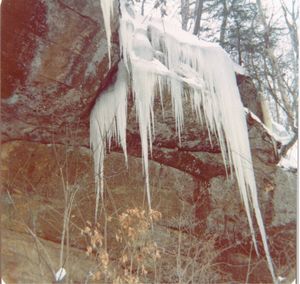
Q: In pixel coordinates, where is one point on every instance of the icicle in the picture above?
(108, 120)
(143, 84)
(107, 11)
(157, 58)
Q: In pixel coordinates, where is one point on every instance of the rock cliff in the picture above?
(55, 62)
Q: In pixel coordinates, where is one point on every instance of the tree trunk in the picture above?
(240, 61)
(289, 145)
(143, 8)
(224, 23)
(270, 55)
(198, 14)
(185, 7)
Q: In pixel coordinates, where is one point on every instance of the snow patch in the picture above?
(280, 134)
(239, 69)
(60, 274)
(277, 131)
(290, 161)
(280, 279)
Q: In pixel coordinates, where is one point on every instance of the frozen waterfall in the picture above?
(158, 57)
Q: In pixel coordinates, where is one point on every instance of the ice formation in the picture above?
(162, 60)
(108, 121)
(107, 11)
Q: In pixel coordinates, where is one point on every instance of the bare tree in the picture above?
(226, 12)
(185, 13)
(284, 93)
(198, 15)
(143, 7)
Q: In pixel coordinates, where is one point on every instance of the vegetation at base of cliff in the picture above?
(129, 244)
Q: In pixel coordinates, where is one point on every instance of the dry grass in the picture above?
(138, 253)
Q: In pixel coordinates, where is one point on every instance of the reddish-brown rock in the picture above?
(36, 180)
(54, 63)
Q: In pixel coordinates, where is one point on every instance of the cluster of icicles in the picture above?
(158, 61)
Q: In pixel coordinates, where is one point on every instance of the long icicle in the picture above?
(176, 60)
(107, 11)
(107, 121)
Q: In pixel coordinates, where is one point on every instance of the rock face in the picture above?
(41, 267)
(54, 64)
(249, 98)
(55, 57)
(36, 179)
